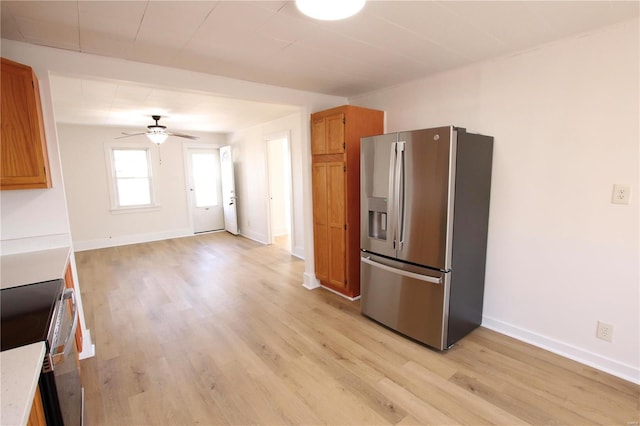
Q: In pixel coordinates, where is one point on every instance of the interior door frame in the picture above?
(286, 135)
(186, 146)
(233, 199)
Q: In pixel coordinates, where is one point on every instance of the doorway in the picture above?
(279, 190)
(229, 197)
(204, 188)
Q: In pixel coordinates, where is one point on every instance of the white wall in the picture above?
(38, 219)
(277, 165)
(23, 216)
(36, 214)
(86, 180)
(565, 118)
(249, 150)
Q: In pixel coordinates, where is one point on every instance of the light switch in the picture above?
(621, 194)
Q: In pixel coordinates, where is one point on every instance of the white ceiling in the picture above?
(388, 43)
(125, 104)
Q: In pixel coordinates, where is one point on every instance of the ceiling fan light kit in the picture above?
(157, 133)
(157, 137)
(330, 10)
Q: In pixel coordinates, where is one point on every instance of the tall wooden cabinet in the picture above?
(335, 150)
(23, 147)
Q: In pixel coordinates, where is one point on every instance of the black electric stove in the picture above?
(27, 313)
(41, 313)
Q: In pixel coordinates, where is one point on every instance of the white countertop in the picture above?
(33, 267)
(20, 369)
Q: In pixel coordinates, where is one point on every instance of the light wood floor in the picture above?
(216, 329)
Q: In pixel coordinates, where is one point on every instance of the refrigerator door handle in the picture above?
(400, 193)
(392, 193)
(425, 278)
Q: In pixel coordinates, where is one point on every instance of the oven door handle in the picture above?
(70, 293)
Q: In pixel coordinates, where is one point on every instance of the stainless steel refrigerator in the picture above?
(424, 219)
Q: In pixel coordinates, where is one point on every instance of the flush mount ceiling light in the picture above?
(329, 10)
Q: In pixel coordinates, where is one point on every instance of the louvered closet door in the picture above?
(336, 220)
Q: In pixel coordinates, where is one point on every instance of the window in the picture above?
(205, 180)
(131, 177)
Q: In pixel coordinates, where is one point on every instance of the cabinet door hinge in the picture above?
(344, 145)
(344, 120)
(345, 226)
(344, 168)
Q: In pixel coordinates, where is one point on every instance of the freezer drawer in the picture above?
(408, 299)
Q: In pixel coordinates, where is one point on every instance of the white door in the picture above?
(205, 189)
(228, 191)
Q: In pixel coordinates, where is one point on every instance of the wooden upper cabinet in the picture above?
(327, 135)
(23, 147)
(318, 140)
(335, 133)
(335, 149)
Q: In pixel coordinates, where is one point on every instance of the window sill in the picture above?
(135, 209)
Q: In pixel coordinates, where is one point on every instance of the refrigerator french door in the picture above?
(424, 220)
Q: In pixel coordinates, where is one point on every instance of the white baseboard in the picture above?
(310, 282)
(130, 239)
(611, 366)
(298, 252)
(258, 238)
(88, 348)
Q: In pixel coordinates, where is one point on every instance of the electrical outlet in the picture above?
(621, 194)
(605, 331)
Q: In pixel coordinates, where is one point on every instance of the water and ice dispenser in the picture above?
(377, 218)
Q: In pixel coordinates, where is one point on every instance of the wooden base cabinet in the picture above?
(335, 151)
(36, 415)
(70, 283)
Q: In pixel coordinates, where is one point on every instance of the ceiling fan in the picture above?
(157, 133)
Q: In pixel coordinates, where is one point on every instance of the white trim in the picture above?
(253, 237)
(136, 209)
(88, 348)
(152, 160)
(608, 365)
(130, 239)
(310, 282)
(187, 181)
(298, 252)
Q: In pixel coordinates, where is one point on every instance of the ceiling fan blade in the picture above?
(182, 135)
(126, 135)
